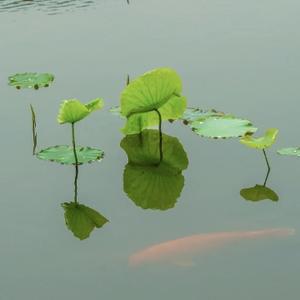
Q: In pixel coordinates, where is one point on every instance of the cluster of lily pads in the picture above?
(153, 176)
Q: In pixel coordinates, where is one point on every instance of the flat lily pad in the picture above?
(31, 80)
(82, 220)
(258, 193)
(222, 127)
(291, 151)
(263, 142)
(195, 114)
(64, 154)
(72, 110)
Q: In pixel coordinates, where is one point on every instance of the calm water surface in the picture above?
(236, 56)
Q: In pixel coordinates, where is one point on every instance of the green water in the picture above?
(235, 56)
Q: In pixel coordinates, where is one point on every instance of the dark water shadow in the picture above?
(152, 183)
(80, 219)
(260, 192)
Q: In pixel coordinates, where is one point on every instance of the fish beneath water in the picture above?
(176, 251)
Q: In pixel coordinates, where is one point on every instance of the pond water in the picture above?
(235, 56)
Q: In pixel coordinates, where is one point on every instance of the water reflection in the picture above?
(181, 251)
(259, 192)
(81, 219)
(50, 6)
(152, 183)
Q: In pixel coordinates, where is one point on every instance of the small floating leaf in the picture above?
(31, 80)
(258, 193)
(116, 110)
(82, 220)
(73, 110)
(158, 89)
(263, 142)
(195, 114)
(64, 154)
(222, 127)
(292, 151)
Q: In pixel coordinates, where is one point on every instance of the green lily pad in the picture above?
(148, 183)
(291, 151)
(160, 90)
(64, 154)
(263, 142)
(82, 220)
(222, 127)
(196, 114)
(116, 110)
(258, 193)
(31, 80)
(73, 110)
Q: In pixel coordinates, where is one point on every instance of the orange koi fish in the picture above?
(172, 251)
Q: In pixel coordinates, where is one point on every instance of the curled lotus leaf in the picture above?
(157, 90)
(196, 114)
(266, 141)
(291, 151)
(82, 220)
(258, 193)
(222, 127)
(31, 80)
(72, 110)
(149, 183)
(64, 154)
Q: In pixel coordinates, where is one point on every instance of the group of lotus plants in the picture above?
(152, 178)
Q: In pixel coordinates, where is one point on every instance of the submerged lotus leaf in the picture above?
(64, 154)
(196, 114)
(158, 89)
(150, 184)
(82, 220)
(291, 151)
(222, 127)
(263, 142)
(258, 193)
(31, 80)
(73, 110)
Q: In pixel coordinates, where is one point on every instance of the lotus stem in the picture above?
(34, 133)
(160, 136)
(266, 159)
(76, 164)
(267, 176)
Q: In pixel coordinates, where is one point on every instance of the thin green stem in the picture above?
(160, 136)
(266, 159)
(76, 163)
(34, 133)
(267, 176)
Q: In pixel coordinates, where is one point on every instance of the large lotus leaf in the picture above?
(64, 154)
(258, 193)
(150, 91)
(73, 110)
(222, 127)
(171, 110)
(263, 142)
(81, 220)
(196, 114)
(31, 80)
(292, 151)
(153, 187)
(143, 149)
(159, 90)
